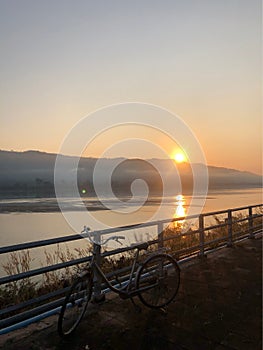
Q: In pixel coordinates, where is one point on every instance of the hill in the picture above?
(31, 173)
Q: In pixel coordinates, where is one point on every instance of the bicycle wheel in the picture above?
(158, 280)
(74, 306)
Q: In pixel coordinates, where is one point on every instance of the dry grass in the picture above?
(28, 288)
(18, 291)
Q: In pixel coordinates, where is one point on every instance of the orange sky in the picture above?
(200, 60)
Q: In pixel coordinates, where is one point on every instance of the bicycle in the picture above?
(155, 281)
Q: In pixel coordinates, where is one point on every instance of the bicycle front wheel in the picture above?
(158, 280)
(74, 306)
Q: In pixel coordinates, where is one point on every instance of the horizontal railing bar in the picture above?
(44, 242)
(122, 279)
(254, 216)
(238, 238)
(207, 228)
(240, 234)
(116, 251)
(225, 238)
(241, 220)
(186, 250)
(30, 302)
(125, 249)
(151, 223)
(233, 222)
(186, 233)
(173, 238)
(231, 209)
(212, 213)
(210, 250)
(30, 313)
(241, 238)
(247, 229)
(117, 272)
(249, 206)
(42, 270)
(142, 225)
(216, 240)
(193, 232)
(247, 218)
(28, 321)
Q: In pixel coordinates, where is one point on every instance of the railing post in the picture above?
(160, 235)
(250, 223)
(229, 228)
(201, 236)
(98, 296)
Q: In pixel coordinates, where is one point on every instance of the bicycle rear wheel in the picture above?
(74, 306)
(158, 280)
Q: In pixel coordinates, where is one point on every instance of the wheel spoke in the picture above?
(158, 280)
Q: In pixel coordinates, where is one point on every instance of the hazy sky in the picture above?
(61, 60)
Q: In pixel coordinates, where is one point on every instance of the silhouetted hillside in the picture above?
(30, 173)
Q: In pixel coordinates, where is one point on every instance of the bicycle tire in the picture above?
(158, 278)
(74, 305)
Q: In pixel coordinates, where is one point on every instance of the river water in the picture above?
(25, 227)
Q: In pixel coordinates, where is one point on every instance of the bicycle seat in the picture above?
(141, 246)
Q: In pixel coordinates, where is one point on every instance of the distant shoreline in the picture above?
(33, 208)
(50, 205)
(45, 205)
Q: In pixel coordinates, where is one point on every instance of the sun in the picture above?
(179, 157)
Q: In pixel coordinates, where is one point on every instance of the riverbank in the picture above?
(218, 308)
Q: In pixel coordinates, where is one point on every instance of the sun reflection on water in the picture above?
(180, 210)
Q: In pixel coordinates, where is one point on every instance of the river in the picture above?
(24, 227)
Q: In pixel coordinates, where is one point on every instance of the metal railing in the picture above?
(227, 227)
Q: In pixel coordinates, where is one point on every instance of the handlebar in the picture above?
(115, 238)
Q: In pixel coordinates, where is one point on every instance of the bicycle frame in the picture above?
(151, 273)
(124, 292)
